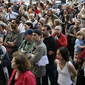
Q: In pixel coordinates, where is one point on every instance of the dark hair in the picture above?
(22, 61)
(16, 20)
(3, 26)
(48, 27)
(50, 4)
(37, 31)
(41, 23)
(64, 52)
(29, 24)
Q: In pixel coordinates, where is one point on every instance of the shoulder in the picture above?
(70, 65)
(28, 76)
(62, 35)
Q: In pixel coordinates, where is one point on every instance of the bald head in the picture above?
(58, 30)
(42, 20)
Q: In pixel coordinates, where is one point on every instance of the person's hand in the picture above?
(75, 26)
(32, 55)
(75, 60)
(50, 52)
(56, 38)
(21, 50)
(65, 15)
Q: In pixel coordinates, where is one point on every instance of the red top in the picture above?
(61, 42)
(82, 54)
(26, 78)
(37, 11)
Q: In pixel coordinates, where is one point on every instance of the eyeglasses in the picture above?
(34, 35)
(12, 22)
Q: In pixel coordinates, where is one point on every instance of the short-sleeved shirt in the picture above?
(15, 37)
(78, 43)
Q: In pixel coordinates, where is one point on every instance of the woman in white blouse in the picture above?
(66, 71)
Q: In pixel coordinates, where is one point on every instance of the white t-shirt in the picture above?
(64, 76)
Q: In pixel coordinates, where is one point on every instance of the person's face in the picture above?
(78, 16)
(77, 23)
(70, 19)
(84, 24)
(44, 31)
(59, 56)
(26, 26)
(65, 12)
(8, 27)
(35, 37)
(31, 17)
(13, 24)
(23, 19)
(80, 37)
(20, 11)
(9, 10)
(1, 42)
(13, 64)
(49, 13)
(39, 25)
(27, 37)
(57, 30)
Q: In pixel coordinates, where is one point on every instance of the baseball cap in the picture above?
(28, 31)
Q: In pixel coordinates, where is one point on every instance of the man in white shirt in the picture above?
(23, 21)
(10, 14)
(32, 19)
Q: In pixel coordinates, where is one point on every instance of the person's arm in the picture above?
(55, 62)
(66, 30)
(62, 41)
(81, 47)
(37, 56)
(11, 44)
(5, 61)
(73, 70)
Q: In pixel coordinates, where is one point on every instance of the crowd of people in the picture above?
(37, 40)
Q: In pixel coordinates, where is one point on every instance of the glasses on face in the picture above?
(12, 22)
(34, 35)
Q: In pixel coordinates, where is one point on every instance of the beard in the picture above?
(44, 35)
(13, 27)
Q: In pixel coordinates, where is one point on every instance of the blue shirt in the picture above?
(78, 43)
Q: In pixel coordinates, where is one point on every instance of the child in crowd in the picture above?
(79, 44)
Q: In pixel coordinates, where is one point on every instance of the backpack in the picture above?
(5, 70)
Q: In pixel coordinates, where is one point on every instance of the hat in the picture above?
(37, 32)
(28, 31)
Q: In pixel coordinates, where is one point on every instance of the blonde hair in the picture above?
(57, 22)
(80, 33)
